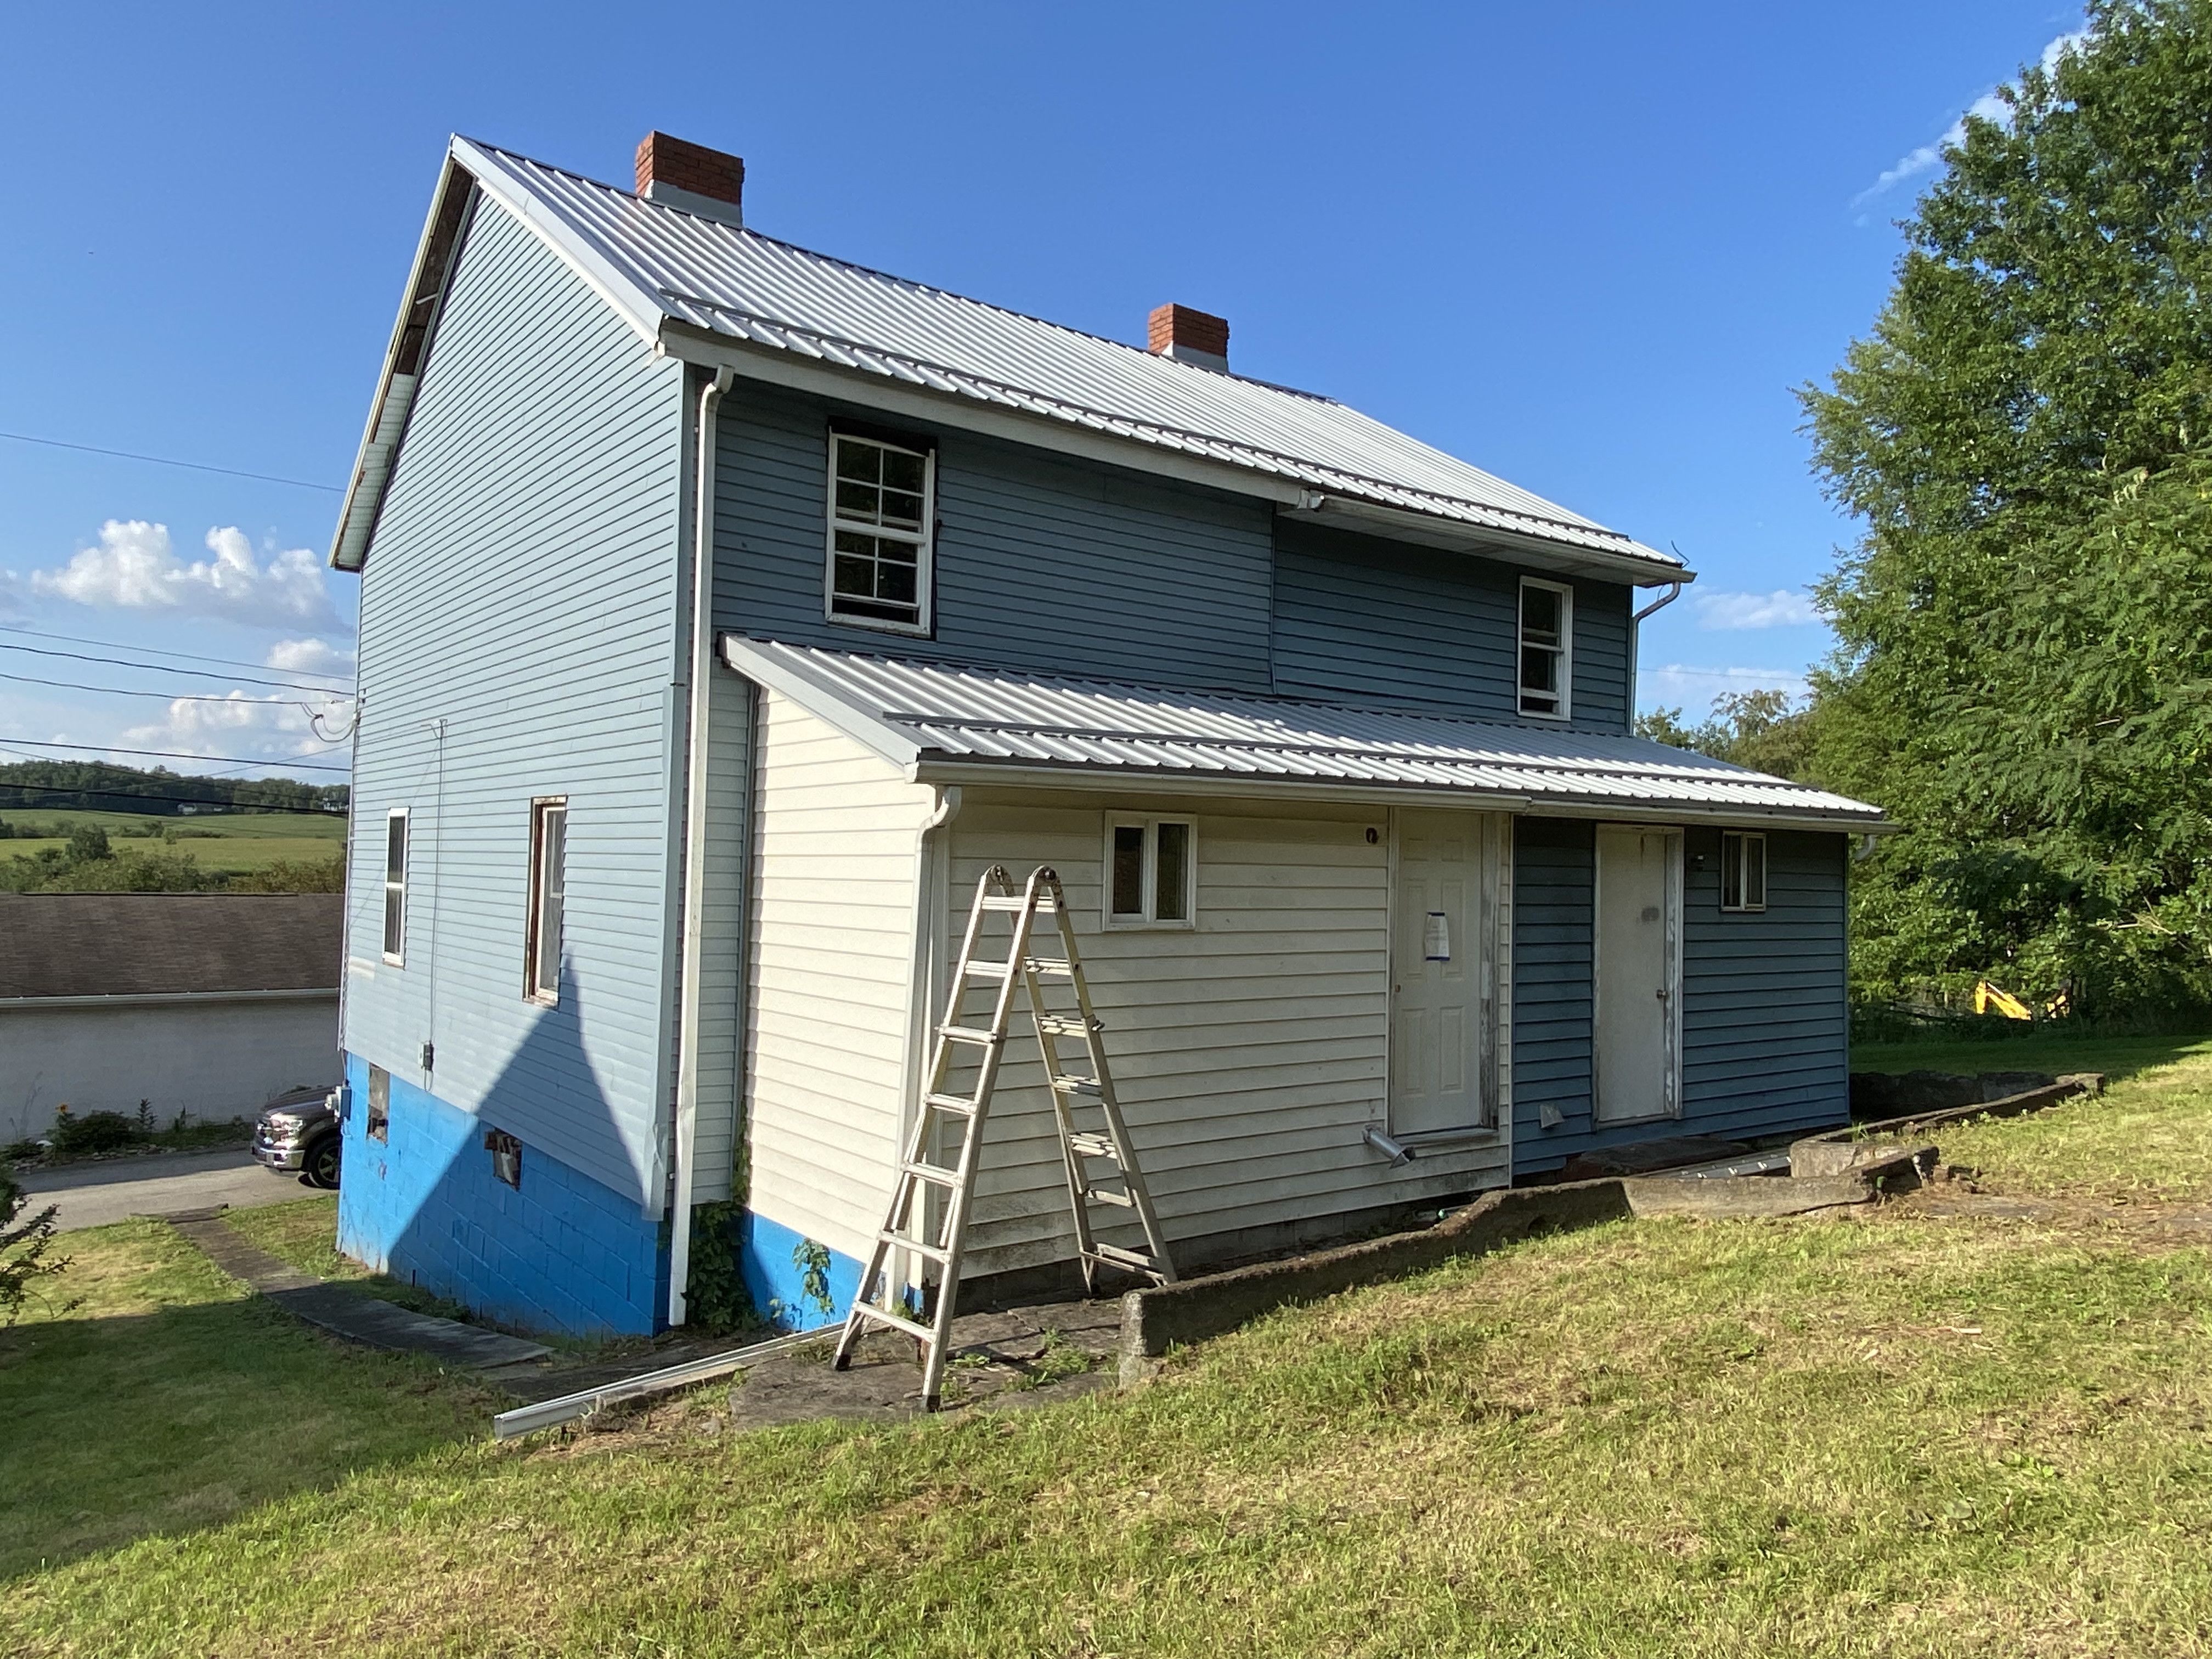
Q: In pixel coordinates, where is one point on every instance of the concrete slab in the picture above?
(94, 1194)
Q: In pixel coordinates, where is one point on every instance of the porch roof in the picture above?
(946, 722)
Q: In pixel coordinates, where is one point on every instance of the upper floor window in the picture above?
(549, 856)
(880, 516)
(1547, 632)
(1743, 870)
(395, 886)
(1151, 873)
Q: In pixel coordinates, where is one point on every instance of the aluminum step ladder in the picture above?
(1094, 1140)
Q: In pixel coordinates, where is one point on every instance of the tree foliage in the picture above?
(1765, 730)
(2026, 629)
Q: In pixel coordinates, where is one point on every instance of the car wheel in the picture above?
(321, 1166)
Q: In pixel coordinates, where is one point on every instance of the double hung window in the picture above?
(1548, 631)
(1743, 870)
(880, 520)
(549, 852)
(395, 886)
(1151, 873)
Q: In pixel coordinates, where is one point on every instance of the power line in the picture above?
(166, 668)
(123, 691)
(165, 460)
(167, 754)
(148, 650)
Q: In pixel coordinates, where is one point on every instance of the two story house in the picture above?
(727, 608)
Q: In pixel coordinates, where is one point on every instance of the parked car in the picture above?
(297, 1133)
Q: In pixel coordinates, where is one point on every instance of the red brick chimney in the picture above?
(1190, 337)
(690, 176)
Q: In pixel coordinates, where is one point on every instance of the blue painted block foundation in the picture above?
(773, 1259)
(560, 1253)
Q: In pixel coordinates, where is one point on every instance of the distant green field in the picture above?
(236, 843)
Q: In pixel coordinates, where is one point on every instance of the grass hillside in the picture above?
(1963, 1422)
(220, 843)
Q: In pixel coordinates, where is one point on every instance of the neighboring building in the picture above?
(1326, 733)
(205, 1003)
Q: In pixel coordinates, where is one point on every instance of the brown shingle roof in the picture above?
(70, 945)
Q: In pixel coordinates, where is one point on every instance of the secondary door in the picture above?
(1638, 973)
(1444, 972)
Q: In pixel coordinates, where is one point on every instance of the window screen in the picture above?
(879, 525)
(1547, 635)
(1743, 871)
(548, 845)
(395, 887)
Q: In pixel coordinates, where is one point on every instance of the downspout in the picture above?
(922, 988)
(696, 829)
(1636, 639)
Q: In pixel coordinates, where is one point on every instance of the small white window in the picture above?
(395, 886)
(1547, 632)
(880, 514)
(1151, 873)
(1743, 870)
(548, 854)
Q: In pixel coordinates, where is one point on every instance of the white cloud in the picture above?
(1681, 686)
(237, 723)
(318, 659)
(134, 568)
(1989, 107)
(1784, 608)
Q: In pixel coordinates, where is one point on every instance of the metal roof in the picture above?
(926, 716)
(660, 266)
(75, 944)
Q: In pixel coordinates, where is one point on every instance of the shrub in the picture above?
(95, 1132)
(24, 1247)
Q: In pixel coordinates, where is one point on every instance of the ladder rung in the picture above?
(1068, 1025)
(1051, 965)
(1119, 1200)
(1016, 902)
(926, 1252)
(1086, 1145)
(989, 969)
(1068, 1084)
(969, 1033)
(935, 1174)
(1136, 1259)
(950, 1105)
(897, 1322)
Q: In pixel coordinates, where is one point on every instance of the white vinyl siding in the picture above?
(1546, 660)
(833, 890)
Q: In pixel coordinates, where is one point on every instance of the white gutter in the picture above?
(161, 998)
(923, 986)
(695, 830)
(1636, 639)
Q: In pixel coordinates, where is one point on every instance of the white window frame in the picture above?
(534, 989)
(1564, 650)
(1149, 918)
(1742, 840)
(924, 541)
(395, 892)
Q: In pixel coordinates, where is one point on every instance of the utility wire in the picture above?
(166, 668)
(146, 650)
(122, 691)
(165, 460)
(165, 753)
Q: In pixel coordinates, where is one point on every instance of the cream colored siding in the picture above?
(1249, 1052)
(834, 899)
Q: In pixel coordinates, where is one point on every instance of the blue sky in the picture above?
(1589, 247)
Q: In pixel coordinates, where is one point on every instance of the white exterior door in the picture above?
(1638, 973)
(1444, 972)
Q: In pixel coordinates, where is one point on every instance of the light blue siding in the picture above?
(519, 612)
(1763, 1030)
(1041, 564)
(1361, 619)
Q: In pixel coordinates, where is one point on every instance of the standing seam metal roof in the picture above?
(947, 713)
(724, 280)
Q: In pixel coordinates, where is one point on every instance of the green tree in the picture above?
(1765, 730)
(2026, 432)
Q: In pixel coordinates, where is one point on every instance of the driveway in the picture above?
(94, 1194)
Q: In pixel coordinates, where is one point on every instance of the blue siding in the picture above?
(562, 1252)
(1763, 1031)
(1041, 564)
(521, 590)
(1361, 619)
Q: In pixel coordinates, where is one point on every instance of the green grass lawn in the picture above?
(1908, 1431)
(2039, 1050)
(304, 1233)
(237, 843)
